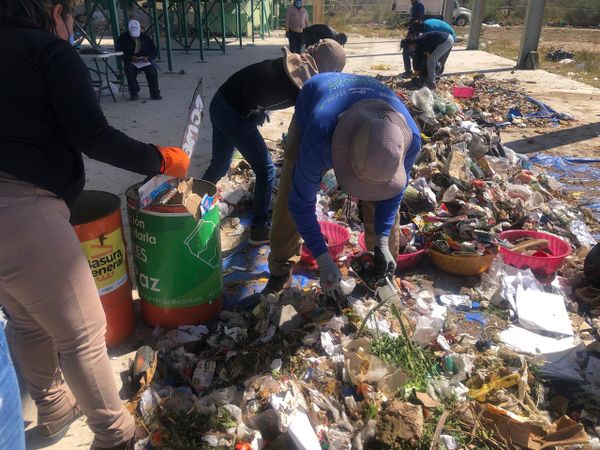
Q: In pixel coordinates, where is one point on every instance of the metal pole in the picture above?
(532, 28)
(125, 12)
(262, 19)
(223, 25)
(252, 18)
(185, 26)
(239, 21)
(475, 28)
(207, 26)
(168, 33)
(114, 19)
(199, 30)
(89, 23)
(114, 25)
(448, 11)
(156, 26)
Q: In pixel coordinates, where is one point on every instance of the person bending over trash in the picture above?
(240, 106)
(417, 14)
(318, 31)
(415, 29)
(139, 52)
(361, 129)
(430, 49)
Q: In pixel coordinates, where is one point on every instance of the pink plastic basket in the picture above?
(404, 261)
(336, 236)
(463, 91)
(546, 265)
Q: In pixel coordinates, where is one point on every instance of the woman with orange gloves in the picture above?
(49, 115)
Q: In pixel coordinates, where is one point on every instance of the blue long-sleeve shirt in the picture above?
(322, 99)
(438, 25)
(417, 11)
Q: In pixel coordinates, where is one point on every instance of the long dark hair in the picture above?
(38, 12)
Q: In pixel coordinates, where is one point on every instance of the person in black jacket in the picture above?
(314, 33)
(241, 105)
(139, 52)
(49, 115)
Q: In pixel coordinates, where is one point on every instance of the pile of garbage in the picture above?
(493, 103)
(504, 359)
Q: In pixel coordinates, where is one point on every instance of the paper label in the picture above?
(106, 257)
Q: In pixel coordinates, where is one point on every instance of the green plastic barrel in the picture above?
(177, 260)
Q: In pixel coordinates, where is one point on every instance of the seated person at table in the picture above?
(138, 53)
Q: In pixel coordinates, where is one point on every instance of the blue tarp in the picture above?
(544, 111)
(242, 287)
(577, 175)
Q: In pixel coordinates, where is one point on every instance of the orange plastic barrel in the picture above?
(96, 218)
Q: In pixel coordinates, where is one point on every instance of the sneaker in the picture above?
(59, 426)
(407, 74)
(134, 97)
(156, 97)
(259, 235)
(275, 284)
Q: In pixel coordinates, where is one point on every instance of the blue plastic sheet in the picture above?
(577, 175)
(544, 111)
(242, 287)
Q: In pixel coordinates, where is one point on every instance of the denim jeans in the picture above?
(230, 131)
(11, 420)
(407, 56)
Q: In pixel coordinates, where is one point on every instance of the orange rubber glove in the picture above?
(175, 161)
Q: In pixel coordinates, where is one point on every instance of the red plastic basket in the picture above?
(404, 261)
(547, 265)
(463, 91)
(336, 236)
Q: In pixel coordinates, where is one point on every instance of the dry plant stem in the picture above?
(370, 313)
(438, 430)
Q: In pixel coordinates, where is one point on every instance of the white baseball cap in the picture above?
(135, 28)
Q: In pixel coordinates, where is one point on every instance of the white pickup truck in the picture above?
(435, 9)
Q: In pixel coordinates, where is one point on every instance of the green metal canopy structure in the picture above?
(178, 25)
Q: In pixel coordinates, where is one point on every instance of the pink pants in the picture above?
(48, 291)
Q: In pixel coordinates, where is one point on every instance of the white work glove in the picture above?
(385, 265)
(330, 276)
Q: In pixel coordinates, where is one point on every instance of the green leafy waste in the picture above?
(185, 429)
(419, 365)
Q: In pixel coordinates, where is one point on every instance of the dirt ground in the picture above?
(584, 43)
(163, 122)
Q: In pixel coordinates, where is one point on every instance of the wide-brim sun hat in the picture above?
(329, 55)
(325, 56)
(369, 145)
(299, 67)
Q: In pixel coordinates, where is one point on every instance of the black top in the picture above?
(263, 84)
(126, 44)
(427, 42)
(49, 114)
(318, 31)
